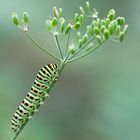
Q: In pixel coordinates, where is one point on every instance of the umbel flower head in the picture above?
(92, 35)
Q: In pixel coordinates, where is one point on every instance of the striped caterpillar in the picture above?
(46, 76)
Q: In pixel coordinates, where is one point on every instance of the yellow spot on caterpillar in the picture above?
(41, 103)
(46, 95)
(30, 117)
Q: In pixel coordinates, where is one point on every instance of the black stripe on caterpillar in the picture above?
(35, 97)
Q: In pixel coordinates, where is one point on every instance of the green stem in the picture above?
(42, 48)
(79, 57)
(67, 44)
(58, 45)
(62, 65)
(18, 132)
(91, 39)
(67, 57)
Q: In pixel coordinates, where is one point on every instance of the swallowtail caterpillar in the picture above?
(36, 96)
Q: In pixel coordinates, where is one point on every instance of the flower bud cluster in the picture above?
(24, 21)
(103, 29)
(95, 33)
(57, 22)
(100, 29)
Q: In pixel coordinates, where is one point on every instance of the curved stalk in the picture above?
(42, 48)
(67, 44)
(58, 46)
(62, 65)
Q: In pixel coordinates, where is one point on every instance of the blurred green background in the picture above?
(96, 98)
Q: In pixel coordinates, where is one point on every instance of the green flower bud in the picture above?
(96, 30)
(49, 25)
(81, 17)
(55, 12)
(111, 11)
(25, 17)
(111, 14)
(106, 34)
(118, 29)
(121, 36)
(15, 19)
(98, 22)
(125, 29)
(77, 25)
(90, 30)
(60, 12)
(87, 5)
(102, 22)
(54, 22)
(90, 47)
(102, 28)
(115, 23)
(62, 22)
(72, 49)
(68, 28)
(84, 39)
(111, 28)
(121, 20)
(76, 17)
(62, 28)
(98, 37)
(106, 22)
(79, 43)
(82, 10)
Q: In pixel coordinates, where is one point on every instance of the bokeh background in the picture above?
(96, 98)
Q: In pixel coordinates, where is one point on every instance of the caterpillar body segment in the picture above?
(36, 96)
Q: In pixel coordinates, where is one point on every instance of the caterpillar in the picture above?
(36, 96)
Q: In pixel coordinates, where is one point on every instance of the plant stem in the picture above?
(67, 44)
(79, 57)
(18, 132)
(62, 65)
(67, 57)
(42, 48)
(91, 39)
(58, 46)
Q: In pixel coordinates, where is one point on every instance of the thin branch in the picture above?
(67, 57)
(42, 48)
(18, 132)
(79, 57)
(58, 45)
(91, 39)
(67, 44)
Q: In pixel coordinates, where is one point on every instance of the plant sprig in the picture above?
(98, 31)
